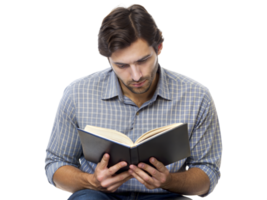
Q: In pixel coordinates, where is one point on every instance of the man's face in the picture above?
(136, 66)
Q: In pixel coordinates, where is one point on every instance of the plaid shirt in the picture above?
(98, 100)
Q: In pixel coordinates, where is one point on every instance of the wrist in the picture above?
(87, 180)
(168, 183)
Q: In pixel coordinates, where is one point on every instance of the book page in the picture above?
(155, 132)
(109, 134)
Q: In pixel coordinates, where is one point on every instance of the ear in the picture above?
(108, 60)
(160, 46)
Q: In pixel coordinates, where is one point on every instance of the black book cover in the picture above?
(168, 147)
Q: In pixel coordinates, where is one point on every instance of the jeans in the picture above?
(87, 194)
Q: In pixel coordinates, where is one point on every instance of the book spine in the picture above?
(134, 156)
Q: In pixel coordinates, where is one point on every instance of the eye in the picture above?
(138, 62)
(142, 61)
(122, 66)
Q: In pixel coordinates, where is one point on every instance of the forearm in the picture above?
(72, 179)
(191, 182)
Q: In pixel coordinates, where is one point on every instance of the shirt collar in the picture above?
(113, 88)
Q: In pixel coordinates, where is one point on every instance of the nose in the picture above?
(136, 73)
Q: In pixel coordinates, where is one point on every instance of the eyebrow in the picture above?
(145, 57)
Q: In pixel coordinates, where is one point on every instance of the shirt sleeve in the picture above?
(205, 142)
(64, 147)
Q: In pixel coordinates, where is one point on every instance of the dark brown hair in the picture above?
(124, 26)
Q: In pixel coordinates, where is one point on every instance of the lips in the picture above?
(139, 84)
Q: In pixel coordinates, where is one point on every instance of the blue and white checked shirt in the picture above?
(98, 100)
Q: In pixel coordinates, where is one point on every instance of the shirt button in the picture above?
(137, 113)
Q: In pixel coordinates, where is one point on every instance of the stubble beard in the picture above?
(148, 78)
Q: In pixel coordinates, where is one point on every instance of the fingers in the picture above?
(118, 179)
(114, 187)
(113, 169)
(104, 177)
(151, 170)
(160, 174)
(148, 182)
(160, 167)
(137, 172)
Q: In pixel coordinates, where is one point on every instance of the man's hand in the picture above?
(160, 177)
(104, 178)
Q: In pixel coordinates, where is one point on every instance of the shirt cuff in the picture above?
(213, 176)
(53, 167)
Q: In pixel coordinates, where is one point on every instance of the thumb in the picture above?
(104, 161)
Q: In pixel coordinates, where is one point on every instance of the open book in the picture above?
(168, 144)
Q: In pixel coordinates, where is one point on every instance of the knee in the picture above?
(87, 194)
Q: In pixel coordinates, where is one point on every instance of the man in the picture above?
(133, 96)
